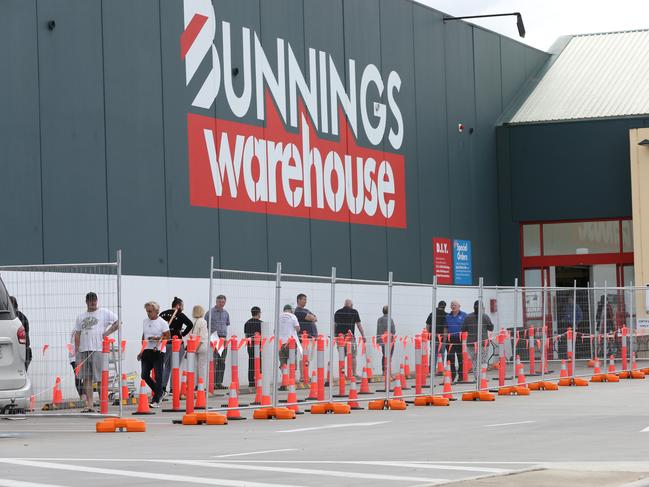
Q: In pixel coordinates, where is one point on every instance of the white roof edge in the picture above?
(592, 76)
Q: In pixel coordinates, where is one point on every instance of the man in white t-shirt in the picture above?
(155, 331)
(89, 331)
(288, 327)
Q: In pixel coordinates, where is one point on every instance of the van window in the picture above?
(6, 310)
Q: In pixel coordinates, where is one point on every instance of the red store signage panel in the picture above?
(443, 260)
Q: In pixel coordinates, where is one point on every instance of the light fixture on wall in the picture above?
(519, 20)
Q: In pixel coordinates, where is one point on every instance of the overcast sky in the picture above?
(546, 20)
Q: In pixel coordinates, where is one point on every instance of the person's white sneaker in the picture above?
(164, 396)
(154, 405)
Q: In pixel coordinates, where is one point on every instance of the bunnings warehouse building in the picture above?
(366, 135)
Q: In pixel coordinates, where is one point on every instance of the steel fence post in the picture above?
(605, 314)
(515, 330)
(209, 334)
(631, 327)
(433, 338)
(278, 288)
(119, 329)
(478, 365)
(332, 312)
(574, 326)
(544, 333)
(388, 353)
(591, 320)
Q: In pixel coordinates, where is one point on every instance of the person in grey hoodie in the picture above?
(218, 320)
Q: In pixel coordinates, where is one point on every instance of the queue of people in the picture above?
(296, 322)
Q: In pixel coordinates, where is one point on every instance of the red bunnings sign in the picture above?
(302, 159)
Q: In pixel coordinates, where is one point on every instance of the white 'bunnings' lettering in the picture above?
(324, 92)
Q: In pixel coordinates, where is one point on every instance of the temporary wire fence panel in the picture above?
(53, 300)
(519, 334)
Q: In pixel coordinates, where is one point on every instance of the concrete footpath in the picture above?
(592, 435)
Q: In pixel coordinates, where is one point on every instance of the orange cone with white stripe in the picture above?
(353, 395)
(233, 402)
(143, 400)
(292, 395)
(448, 389)
(201, 399)
(564, 370)
(611, 364)
(365, 383)
(260, 388)
(484, 383)
(440, 364)
(57, 395)
(124, 393)
(521, 371)
(397, 392)
(313, 387)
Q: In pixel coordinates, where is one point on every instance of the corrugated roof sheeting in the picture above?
(595, 76)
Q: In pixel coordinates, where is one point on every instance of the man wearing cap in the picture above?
(89, 331)
(288, 327)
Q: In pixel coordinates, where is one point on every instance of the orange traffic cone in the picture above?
(284, 385)
(440, 364)
(406, 367)
(402, 378)
(143, 400)
(57, 396)
(365, 383)
(201, 399)
(259, 390)
(397, 393)
(124, 389)
(484, 383)
(183, 385)
(448, 389)
(313, 386)
(564, 370)
(353, 395)
(233, 402)
(596, 367)
(291, 399)
(611, 364)
(521, 371)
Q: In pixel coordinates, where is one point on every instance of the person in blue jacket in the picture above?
(454, 323)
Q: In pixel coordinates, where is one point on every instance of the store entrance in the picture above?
(567, 275)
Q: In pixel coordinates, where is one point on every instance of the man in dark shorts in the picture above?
(346, 320)
(251, 328)
(307, 321)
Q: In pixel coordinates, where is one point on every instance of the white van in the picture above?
(15, 386)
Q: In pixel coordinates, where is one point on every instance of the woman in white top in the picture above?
(200, 329)
(155, 331)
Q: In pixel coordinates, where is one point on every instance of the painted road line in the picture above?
(142, 475)
(378, 463)
(304, 471)
(508, 424)
(19, 483)
(646, 430)
(331, 426)
(254, 453)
